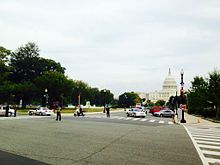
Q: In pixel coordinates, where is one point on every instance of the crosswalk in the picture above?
(23, 117)
(131, 119)
(206, 140)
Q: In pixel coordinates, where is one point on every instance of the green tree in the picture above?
(160, 103)
(197, 97)
(128, 99)
(58, 85)
(24, 61)
(79, 89)
(105, 97)
(214, 91)
(4, 68)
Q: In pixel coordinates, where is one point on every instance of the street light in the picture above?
(46, 97)
(181, 95)
(125, 103)
(104, 100)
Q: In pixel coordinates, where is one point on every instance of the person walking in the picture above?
(107, 111)
(58, 114)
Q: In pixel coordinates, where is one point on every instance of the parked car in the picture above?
(135, 112)
(40, 111)
(155, 109)
(165, 113)
(3, 109)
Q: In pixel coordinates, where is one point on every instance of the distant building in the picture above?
(169, 89)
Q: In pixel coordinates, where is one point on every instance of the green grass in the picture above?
(68, 110)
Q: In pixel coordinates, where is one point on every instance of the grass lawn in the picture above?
(68, 110)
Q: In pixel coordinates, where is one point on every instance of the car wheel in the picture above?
(161, 115)
(41, 114)
(128, 115)
(9, 114)
(30, 113)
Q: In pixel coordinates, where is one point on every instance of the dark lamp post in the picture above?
(104, 100)
(181, 95)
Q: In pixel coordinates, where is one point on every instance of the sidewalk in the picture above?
(191, 119)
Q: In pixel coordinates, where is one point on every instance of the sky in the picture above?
(120, 45)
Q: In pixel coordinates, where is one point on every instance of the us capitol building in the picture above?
(169, 89)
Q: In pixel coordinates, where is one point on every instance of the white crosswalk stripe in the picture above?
(131, 119)
(207, 142)
(135, 119)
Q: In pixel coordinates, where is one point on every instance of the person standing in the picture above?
(6, 110)
(58, 114)
(107, 111)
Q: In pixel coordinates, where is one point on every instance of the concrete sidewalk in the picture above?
(191, 119)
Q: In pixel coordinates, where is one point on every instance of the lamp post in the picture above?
(125, 101)
(104, 91)
(46, 97)
(181, 95)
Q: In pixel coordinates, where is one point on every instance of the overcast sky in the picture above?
(121, 45)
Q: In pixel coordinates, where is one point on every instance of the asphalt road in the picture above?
(95, 139)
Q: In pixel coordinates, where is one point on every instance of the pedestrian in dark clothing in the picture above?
(107, 111)
(58, 114)
(6, 110)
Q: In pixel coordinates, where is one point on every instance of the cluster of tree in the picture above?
(204, 95)
(24, 75)
(128, 99)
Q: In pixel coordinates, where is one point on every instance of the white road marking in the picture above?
(152, 121)
(135, 119)
(143, 120)
(211, 152)
(161, 122)
(209, 146)
(206, 140)
(213, 161)
(170, 122)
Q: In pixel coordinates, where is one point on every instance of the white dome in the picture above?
(169, 83)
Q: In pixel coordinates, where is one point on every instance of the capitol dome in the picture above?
(169, 83)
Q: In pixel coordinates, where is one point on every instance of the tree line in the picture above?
(26, 76)
(204, 96)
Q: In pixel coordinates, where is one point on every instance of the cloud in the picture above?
(119, 44)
